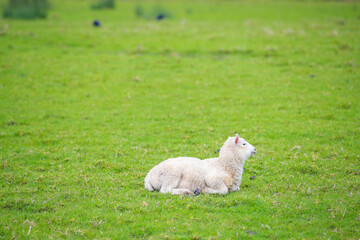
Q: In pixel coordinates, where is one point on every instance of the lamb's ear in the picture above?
(237, 138)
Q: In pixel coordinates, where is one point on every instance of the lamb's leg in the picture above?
(169, 183)
(215, 186)
(221, 191)
(182, 191)
(176, 191)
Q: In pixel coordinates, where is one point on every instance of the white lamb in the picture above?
(188, 176)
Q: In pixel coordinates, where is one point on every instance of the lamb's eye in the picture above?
(244, 144)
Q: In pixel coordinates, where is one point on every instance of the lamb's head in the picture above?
(238, 146)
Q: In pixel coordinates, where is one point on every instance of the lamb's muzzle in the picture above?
(189, 176)
(253, 152)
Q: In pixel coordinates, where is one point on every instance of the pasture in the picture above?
(86, 112)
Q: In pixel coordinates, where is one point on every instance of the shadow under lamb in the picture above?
(189, 176)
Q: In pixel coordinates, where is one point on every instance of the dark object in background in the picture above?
(160, 17)
(96, 23)
(26, 9)
(157, 12)
(100, 4)
(252, 177)
(160, 13)
(197, 192)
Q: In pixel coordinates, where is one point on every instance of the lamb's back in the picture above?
(183, 163)
(176, 164)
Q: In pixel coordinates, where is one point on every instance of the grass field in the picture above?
(86, 112)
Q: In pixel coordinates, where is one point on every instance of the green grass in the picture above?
(86, 112)
(25, 9)
(100, 4)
